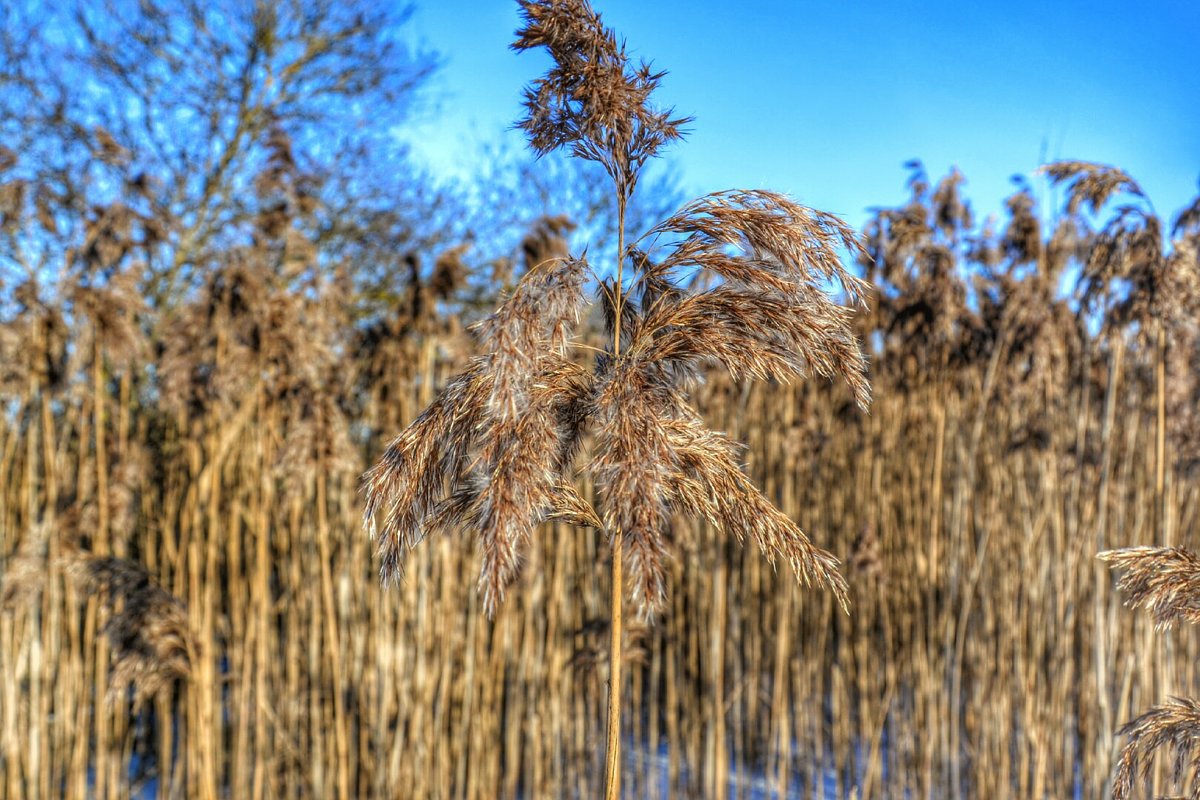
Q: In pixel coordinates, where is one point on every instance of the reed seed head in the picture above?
(1164, 580)
(1174, 725)
(593, 100)
(495, 452)
(153, 644)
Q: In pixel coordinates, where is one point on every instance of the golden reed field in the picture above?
(853, 513)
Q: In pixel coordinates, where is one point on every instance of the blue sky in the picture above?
(825, 101)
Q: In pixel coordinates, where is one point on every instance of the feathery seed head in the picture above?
(502, 437)
(1174, 725)
(593, 99)
(1165, 580)
(1090, 184)
(147, 627)
(495, 451)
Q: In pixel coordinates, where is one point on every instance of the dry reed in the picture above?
(501, 441)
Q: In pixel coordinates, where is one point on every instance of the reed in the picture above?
(496, 452)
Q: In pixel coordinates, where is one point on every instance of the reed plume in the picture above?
(1163, 580)
(496, 449)
(153, 645)
(593, 101)
(1173, 726)
(1089, 184)
(1127, 270)
(495, 452)
(152, 642)
(501, 437)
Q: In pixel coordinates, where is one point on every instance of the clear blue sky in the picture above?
(826, 100)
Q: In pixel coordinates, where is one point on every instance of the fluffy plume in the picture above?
(1164, 580)
(1178, 295)
(713, 486)
(535, 320)
(494, 451)
(1129, 249)
(761, 239)
(153, 645)
(546, 240)
(921, 306)
(407, 483)
(1174, 725)
(1089, 184)
(1022, 240)
(1127, 274)
(654, 455)
(636, 473)
(113, 309)
(951, 213)
(593, 100)
(147, 627)
(772, 317)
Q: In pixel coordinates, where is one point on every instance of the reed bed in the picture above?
(972, 657)
(189, 607)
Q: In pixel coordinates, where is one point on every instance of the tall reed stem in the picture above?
(1160, 437)
(1102, 621)
(102, 547)
(612, 761)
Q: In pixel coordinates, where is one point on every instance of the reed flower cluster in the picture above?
(496, 452)
(1166, 582)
